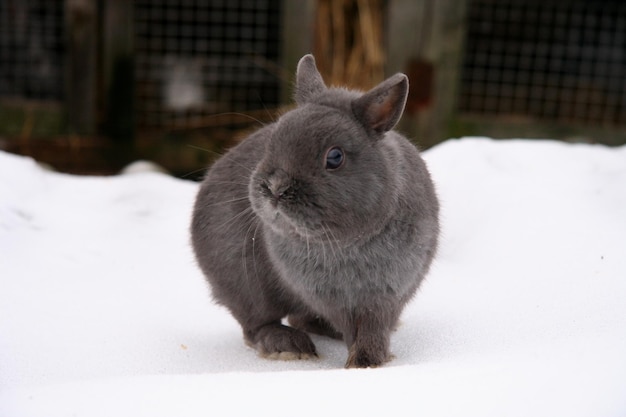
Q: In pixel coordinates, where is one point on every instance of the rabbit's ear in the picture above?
(380, 108)
(309, 82)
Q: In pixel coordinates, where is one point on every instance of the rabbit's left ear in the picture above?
(381, 108)
(309, 82)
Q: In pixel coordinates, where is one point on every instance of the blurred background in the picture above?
(88, 86)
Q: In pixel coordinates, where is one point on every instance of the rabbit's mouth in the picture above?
(286, 220)
(280, 222)
(277, 201)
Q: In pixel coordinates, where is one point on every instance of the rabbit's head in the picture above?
(325, 173)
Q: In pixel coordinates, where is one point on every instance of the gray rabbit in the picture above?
(326, 217)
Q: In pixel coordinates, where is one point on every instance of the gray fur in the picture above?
(309, 82)
(339, 252)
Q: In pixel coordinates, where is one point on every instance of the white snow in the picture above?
(103, 311)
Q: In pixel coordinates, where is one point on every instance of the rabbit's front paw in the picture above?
(275, 341)
(366, 357)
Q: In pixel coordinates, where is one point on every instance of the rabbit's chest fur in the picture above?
(329, 275)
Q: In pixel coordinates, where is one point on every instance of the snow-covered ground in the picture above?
(103, 311)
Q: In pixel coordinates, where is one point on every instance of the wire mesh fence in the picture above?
(196, 59)
(32, 49)
(548, 59)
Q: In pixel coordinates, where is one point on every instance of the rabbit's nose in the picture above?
(278, 189)
(278, 184)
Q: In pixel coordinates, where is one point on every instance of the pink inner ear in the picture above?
(381, 112)
(381, 108)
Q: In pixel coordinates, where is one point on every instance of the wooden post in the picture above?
(81, 65)
(117, 84)
(297, 27)
(425, 39)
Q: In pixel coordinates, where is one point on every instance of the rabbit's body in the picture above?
(325, 216)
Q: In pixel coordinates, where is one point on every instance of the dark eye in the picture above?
(334, 158)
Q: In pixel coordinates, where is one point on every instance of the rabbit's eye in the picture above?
(334, 158)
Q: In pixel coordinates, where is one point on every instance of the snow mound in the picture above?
(103, 311)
